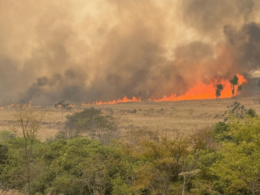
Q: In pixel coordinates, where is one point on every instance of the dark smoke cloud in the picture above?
(245, 43)
(209, 16)
(82, 51)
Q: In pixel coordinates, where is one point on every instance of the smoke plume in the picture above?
(84, 51)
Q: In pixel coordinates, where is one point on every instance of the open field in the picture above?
(185, 116)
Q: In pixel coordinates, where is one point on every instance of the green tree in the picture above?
(169, 159)
(80, 166)
(28, 122)
(6, 135)
(221, 132)
(238, 164)
(92, 122)
(120, 187)
(15, 173)
(205, 182)
(187, 175)
(137, 173)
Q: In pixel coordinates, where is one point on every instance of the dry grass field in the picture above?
(184, 116)
(9, 192)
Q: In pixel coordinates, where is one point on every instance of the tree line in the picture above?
(87, 157)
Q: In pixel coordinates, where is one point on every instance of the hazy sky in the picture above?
(82, 51)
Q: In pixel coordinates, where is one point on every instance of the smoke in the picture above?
(209, 16)
(83, 51)
(245, 44)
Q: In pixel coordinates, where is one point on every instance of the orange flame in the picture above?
(85, 104)
(71, 105)
(203, 91)
(124, 100)
(199, 91)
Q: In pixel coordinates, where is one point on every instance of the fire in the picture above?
(11, 106)
(17, 105)
(124, 100)
(203, 91)
(72, 105)
(199, 91)
(85, 104)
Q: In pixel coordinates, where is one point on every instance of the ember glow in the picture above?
(200, 91)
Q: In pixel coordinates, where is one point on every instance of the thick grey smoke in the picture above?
(245, 44)
(209, 16)
(83, 51)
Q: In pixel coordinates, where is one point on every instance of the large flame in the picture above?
(203, 91)
(199, 91)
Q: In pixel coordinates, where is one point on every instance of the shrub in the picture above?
(134, 111)
(6, 135)
(221, 132)
(93, 123)
(251, 112)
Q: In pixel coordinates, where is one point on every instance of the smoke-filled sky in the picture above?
(83, 51)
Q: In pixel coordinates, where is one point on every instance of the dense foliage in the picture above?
(219, 160)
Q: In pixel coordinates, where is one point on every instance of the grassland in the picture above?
(184, 116)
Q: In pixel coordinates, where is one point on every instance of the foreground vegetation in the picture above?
(87, 157)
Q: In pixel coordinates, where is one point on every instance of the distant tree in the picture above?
(219, 88)
(234, 82)
(92, 122)
(64, 107)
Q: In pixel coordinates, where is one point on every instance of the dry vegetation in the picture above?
(184, 116)
(9, 192)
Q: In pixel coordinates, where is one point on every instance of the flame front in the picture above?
(203, 91)
(124, 100)
(199, 91)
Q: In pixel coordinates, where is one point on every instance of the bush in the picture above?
(134, 111)
(251, 112)
(93, 123)
(3, 154)
(238, 111)
(6, 135)
(221, 132)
